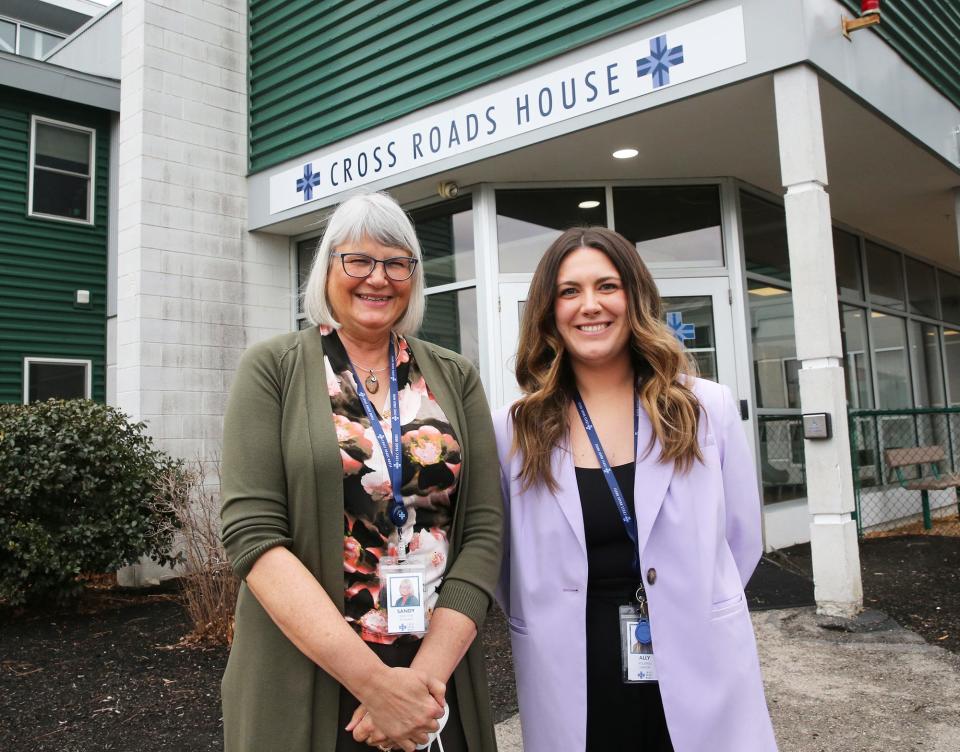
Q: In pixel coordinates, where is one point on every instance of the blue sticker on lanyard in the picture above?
(642, 632)
(392, 452)
(625, 514)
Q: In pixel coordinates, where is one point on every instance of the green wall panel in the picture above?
(322, 71)
(926, 33)
(42, 262)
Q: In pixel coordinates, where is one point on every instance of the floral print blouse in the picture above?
(431, 469)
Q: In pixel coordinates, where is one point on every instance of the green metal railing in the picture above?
(918, 494)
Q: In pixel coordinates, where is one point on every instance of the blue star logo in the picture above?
(308, 182)
(680, 330)
(661, 59)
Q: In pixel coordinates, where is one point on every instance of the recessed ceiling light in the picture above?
(588, 204)
(625, 153)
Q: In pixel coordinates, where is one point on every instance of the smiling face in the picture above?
(590, 308)
(372, 305)
(406, 587)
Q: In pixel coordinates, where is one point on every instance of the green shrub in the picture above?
(78, 494)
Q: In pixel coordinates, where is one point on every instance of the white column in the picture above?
(194, 287)
(833, 533)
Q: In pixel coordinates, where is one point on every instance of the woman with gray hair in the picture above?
(357, 458)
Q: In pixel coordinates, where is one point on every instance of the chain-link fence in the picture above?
(782, 465)
(906, 470)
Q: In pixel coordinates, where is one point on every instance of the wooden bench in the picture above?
(897, 459)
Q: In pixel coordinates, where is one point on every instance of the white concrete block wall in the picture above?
(194, 287)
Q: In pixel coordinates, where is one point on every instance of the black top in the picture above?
(615, 711)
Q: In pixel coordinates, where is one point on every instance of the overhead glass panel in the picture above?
(846, 256)
(671, 225)
(764, 237)
(445, 232)
(922, 288)
(886, 277)
(529, 220)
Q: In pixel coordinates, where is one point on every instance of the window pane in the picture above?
(922, 288)
(62, 149)
(764, 237)
(846, 256)
(782, 471)
(60, 195)
(691, 319)
(8, 36)
(677, 225)
(56, 381)
(925, 362)
(305, 253)
(451, 321)
(951, 351)
(856, 357)
(35, 43)
(889, 339)
(529, 220)
(885, 275)
(949, 296)
(774, 348)
(445, 233)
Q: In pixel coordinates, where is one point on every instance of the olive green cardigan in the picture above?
(282, 486)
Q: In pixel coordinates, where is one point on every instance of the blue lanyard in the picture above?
(391, 453)
(618, 499)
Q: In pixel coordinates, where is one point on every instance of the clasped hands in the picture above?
(399, 707)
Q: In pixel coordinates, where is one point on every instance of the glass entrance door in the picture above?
(697, 310)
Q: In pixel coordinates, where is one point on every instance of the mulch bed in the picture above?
(111, 674)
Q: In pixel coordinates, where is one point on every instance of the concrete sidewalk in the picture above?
(829, 691)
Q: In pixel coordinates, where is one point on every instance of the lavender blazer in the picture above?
(700, 531)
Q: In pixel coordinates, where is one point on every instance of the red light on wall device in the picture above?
(869, 7)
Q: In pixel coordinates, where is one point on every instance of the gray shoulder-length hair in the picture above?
(368, 215)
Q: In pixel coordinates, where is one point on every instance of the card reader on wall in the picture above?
(817, 426)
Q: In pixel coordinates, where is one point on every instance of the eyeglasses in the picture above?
(360, 265)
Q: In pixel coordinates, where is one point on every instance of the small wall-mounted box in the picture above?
(817, 426)
(82, 297)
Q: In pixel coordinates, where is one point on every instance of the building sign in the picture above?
(681, 54)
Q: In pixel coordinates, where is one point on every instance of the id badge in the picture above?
(636, 645)
(402, 594)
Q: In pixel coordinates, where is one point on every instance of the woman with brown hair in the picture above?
(633, 521)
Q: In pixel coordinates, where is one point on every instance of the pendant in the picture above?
(372, 383)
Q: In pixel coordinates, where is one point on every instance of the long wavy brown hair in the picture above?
(662, 367)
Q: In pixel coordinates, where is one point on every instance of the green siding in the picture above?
(322, 71)
(926, 33)
(42, 262)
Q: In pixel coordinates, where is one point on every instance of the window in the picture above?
(671, 225)
(8, 36)
(52, 378)
(35, 43)
(61, 171)
(765, 237)
(528, 221)
(445, 232)
(888, 335)
(26, 40)
(886, 276)
(856, 356)
(846, 257)
(922, 288)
